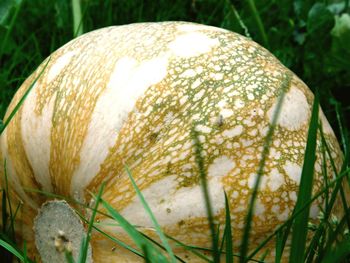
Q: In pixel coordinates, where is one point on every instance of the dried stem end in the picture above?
(58, 229)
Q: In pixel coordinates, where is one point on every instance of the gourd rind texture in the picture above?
(131, 95)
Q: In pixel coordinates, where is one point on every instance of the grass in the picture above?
(305, 35)
(260, 171)
(299, 235)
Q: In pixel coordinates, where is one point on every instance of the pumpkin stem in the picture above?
(59, 231)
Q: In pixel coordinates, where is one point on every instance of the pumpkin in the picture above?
(133, 95)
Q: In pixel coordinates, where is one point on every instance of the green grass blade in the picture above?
(317, 241)
(11, 226)
(15, 251)
(257, 18)
(162, 247)
(343, 132)
(19, 104)
(86, 240)
(338, 189)
(203, 177)
(191, 249)
(279, 246)
(239, 19)
(117, 241)
(69, 257)
(281, 240)
(5, 255)
(297, 212)
(332, 238)
(266, 149)
(324, 165)
(77, 18)
(228, 232)
(339, 254)
(146, 254)
(305, 189)
(25, 256)
(345, 142)
(151, 216)
(139, 240)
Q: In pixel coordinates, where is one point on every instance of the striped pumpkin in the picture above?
(133, 95)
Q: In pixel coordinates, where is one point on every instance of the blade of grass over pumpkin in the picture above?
(324, 165)
(139, 240)
(344, 201)
(263, 256)
(120, 243)
(266, 149)
(333, 238)
(338, 188)
(218, 244)
(19, 104)
(11, 226)
(343, 132)
(321, 229)
(204, 184)
(317, 241)
(299, 227)
(162, 247)
(86, 240)
(279, 246)
(334, 169)
(297, 212)
(281, 240)
(25, 252)
(195, 249)
(191, 249)
(257, 18)
(151, 216)
(69, 257)
(146, 255)
(228, 232)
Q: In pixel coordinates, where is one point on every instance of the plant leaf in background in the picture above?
(320, 22)
(320, 19)
(62, 13)
(5, 9)
(341, 43)
(301, 8)
(6, 42)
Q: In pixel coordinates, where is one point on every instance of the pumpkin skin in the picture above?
(132, 95)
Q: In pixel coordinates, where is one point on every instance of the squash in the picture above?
(133, 95)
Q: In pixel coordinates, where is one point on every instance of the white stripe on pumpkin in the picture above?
(128, 82)
(36, 136)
